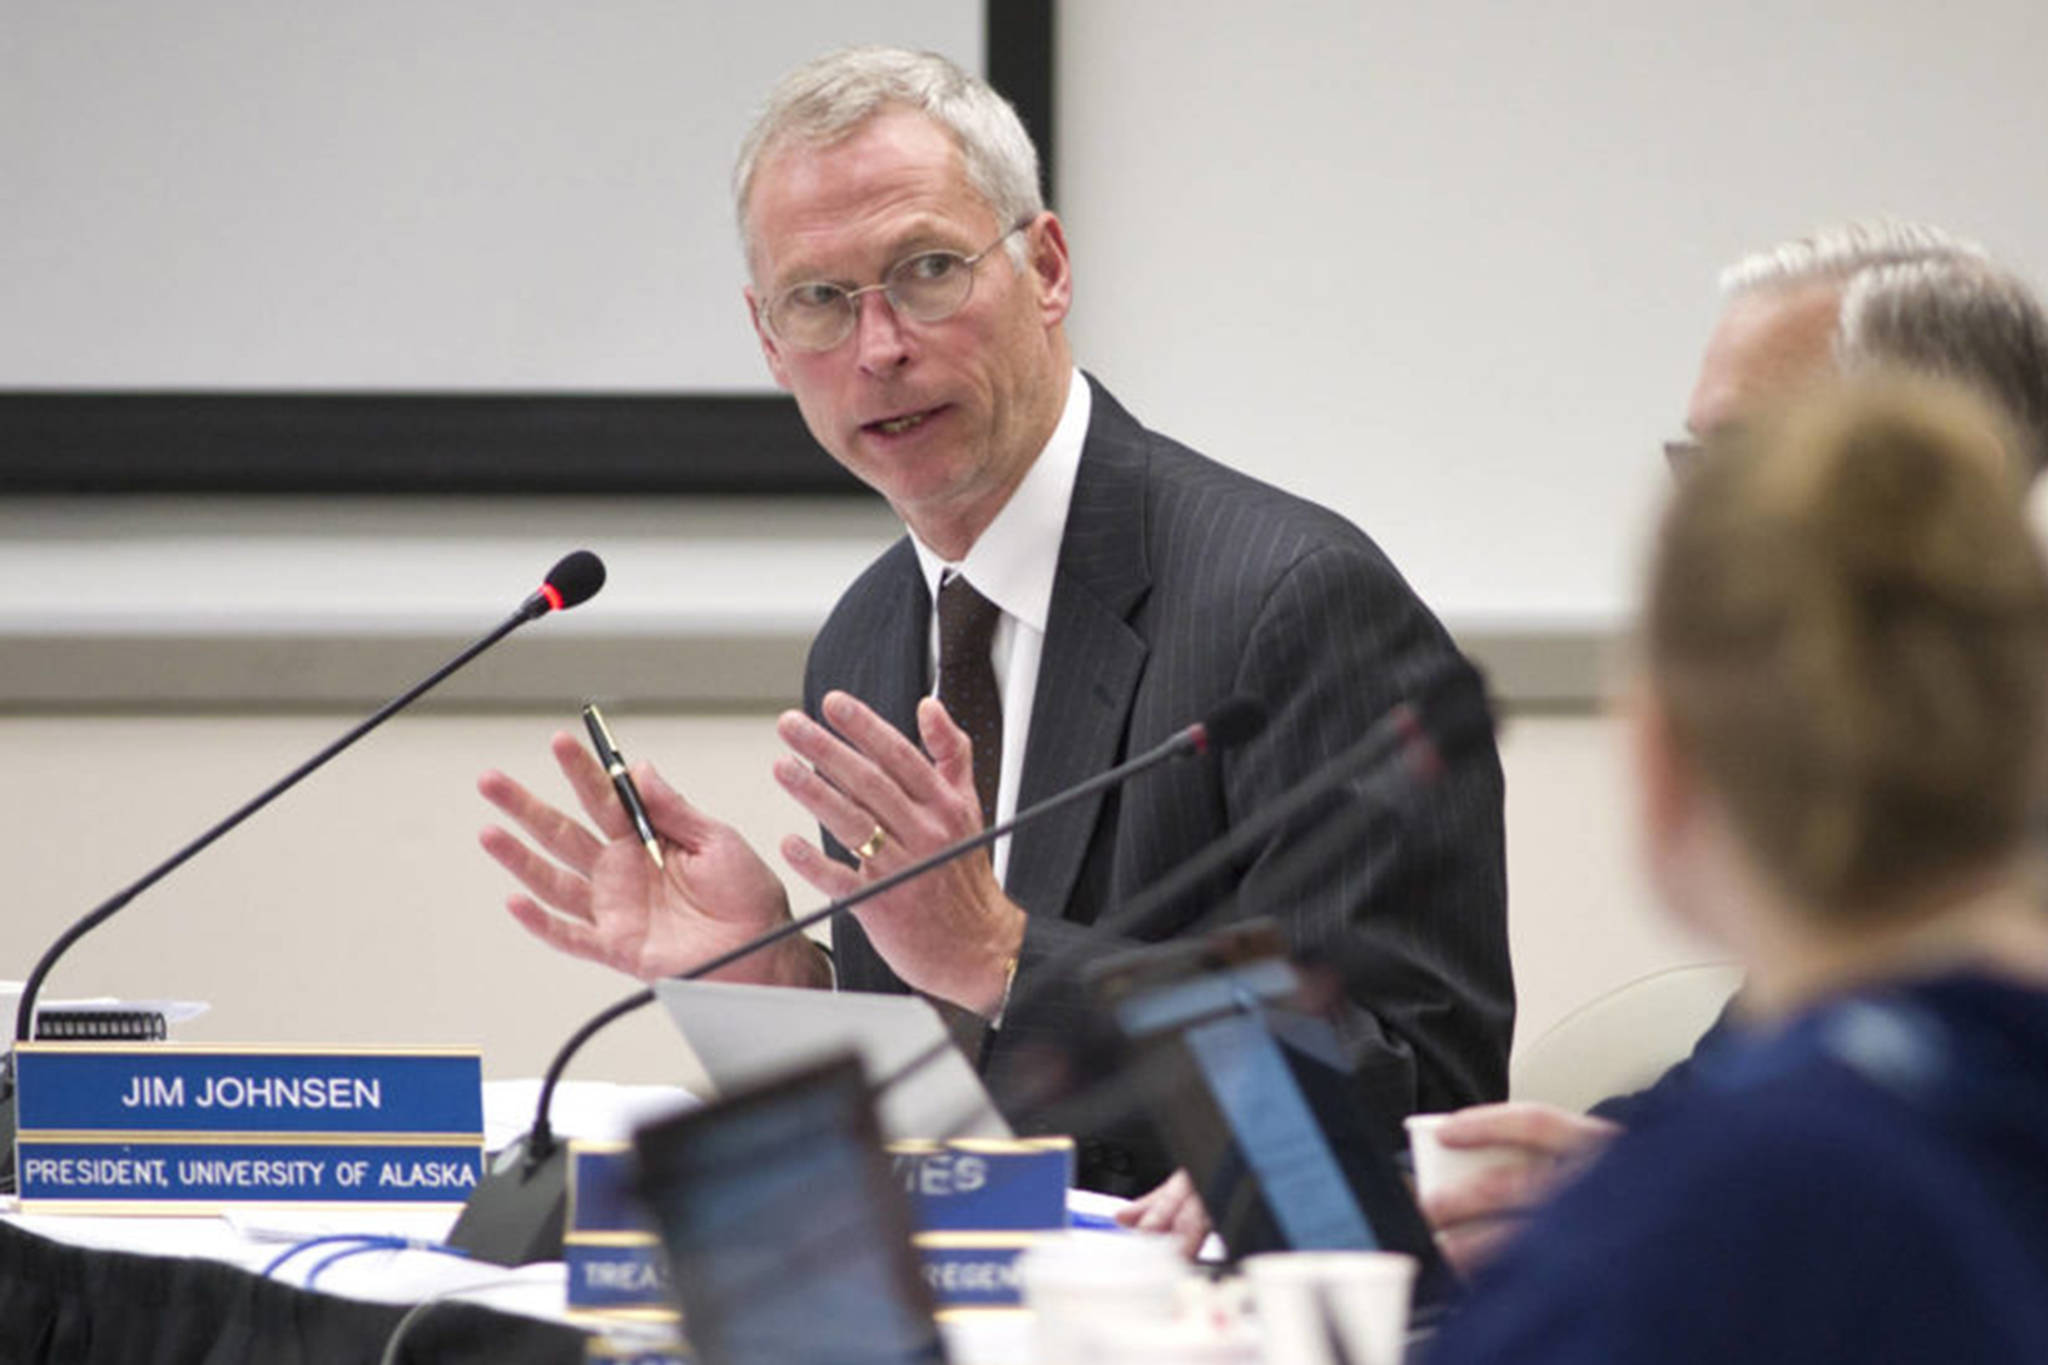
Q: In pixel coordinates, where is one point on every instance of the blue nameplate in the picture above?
(601, 1194)
(245, 1172)
(173, 1088)
(986, 1184)
(974, 1269)
(615, 1261)
(606, 1279)
(977, 1203)
(167, 1127)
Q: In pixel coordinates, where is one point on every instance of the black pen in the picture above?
(622, 781)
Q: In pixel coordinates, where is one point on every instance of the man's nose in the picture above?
(878, 333)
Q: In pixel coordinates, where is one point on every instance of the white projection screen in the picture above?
(397, 244)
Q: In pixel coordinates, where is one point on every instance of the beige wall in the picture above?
(359, 908)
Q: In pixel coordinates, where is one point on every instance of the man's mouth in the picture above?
(896, 426)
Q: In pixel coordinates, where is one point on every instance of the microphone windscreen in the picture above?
(576, 578)
(1234, 722)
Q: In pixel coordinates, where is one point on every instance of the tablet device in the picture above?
(1256, 1100)
(787, 1236)
(744, 1034)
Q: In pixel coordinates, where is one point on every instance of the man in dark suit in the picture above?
(1077, 588)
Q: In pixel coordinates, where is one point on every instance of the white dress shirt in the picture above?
(1012, 564)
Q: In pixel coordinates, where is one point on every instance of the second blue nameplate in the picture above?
(186, 1128)
(986, 1184)
(976, 1204)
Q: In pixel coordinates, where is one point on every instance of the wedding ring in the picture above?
(873, 845)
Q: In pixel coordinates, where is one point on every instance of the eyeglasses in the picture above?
(928, 287)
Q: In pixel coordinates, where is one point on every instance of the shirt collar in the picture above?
(1012, 562)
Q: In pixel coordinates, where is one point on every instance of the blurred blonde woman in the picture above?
(1841, 740)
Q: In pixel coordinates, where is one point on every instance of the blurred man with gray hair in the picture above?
(1874, 295)
(1845, 300)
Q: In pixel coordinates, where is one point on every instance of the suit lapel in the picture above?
(1093, 658)
(879, 657)
(890, 677)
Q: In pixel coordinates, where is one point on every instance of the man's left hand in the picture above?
(951, 933)
(1172, 1209)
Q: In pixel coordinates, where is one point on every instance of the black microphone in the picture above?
(515, 1216)
(573, 580)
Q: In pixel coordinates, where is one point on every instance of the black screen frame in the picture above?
(685, 1181)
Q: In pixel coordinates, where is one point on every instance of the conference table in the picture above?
(248, 1285)
(229, 1286)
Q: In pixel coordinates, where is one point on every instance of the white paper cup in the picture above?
(1079, 1284)
(1303, 1297)
(1438, 1167)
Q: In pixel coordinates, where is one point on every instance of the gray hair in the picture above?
(1916, 297)
(827, 98)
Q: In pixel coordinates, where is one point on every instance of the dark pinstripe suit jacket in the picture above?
(1181, 583)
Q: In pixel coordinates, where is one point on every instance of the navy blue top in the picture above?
(1627, 1109)
(1866, 1184)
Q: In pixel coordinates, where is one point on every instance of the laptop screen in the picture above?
(1257, 1102)
(786, 1235)
(743, 1034)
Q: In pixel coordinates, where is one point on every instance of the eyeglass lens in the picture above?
(927, 287)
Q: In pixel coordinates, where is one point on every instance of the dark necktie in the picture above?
(967, 681)
(967, 689)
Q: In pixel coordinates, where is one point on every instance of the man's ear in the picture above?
(1045, 246)
(769, 350)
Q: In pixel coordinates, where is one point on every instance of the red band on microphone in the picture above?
(553, 596)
